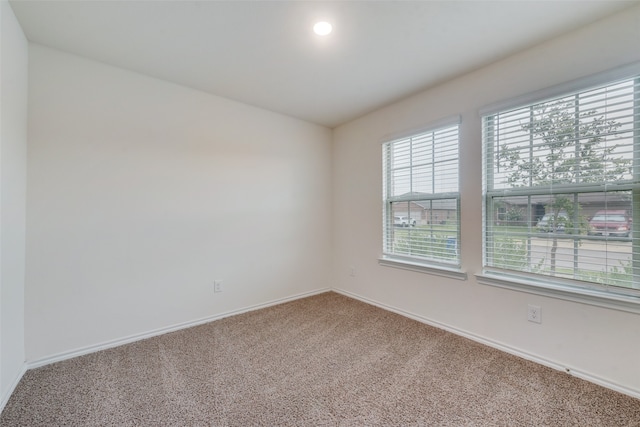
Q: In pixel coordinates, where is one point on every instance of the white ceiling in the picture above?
(265, 54)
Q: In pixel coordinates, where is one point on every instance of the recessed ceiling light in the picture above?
(322, 28)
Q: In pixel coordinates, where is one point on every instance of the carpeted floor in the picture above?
(327, 360)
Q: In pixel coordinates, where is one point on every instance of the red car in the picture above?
(610, 223)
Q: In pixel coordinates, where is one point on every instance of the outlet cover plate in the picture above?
(534, 313)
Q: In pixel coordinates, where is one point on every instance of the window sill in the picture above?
(452, 272)
(552, 289)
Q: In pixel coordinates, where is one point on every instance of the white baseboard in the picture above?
(137, 337)
(497, 345)
(13, 386)
(491, 343)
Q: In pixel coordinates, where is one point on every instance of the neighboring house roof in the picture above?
(445, 204)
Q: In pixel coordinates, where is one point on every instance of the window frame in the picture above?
(408, 262)
(625, 300)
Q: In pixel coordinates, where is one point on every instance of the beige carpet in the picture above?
(326, 360)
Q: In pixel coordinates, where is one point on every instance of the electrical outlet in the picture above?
(352, 271)
(534, 314)
(217, 286)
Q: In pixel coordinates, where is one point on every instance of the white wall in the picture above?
(142, 192)
(13, 157)
(596, 342)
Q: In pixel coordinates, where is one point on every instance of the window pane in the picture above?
(585, 237)
(400, 181)
(423, 150)
(401, 154)
(423, 179)
(425, 229)
(446, 176)
(559, 182)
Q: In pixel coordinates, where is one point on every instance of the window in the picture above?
(421, 198)
(562, 190)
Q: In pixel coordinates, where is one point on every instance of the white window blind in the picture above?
(421, 197)
(562, 188)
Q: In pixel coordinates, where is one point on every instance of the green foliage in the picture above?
(572, 147)
(511, 253)
(566, 216)
(514, 214)
(433, 243)
(621, 276)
